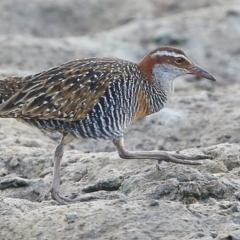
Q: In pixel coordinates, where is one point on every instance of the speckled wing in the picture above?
(9, 86)
(67, 92)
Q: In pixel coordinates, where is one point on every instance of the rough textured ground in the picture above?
(135, 200)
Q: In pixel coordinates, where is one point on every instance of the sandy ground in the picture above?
(134, 199)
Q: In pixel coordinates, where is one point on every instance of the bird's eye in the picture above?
(179, 60)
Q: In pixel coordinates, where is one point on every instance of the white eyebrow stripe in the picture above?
(170, 54)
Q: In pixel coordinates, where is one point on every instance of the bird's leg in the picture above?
(57, 172)
(54, 190)
(156, 155)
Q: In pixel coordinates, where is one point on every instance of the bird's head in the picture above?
(164, 64)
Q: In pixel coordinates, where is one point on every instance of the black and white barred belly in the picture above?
(111, 115)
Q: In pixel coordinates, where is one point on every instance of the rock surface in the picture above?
(134, 199)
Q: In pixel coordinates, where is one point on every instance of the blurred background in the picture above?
(40, 34)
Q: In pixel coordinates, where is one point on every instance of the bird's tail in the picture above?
(9, 86)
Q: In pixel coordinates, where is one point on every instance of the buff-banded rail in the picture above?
(98, 98)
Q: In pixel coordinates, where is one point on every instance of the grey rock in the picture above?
(109, 183)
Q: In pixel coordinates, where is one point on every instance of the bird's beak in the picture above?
(199, 72)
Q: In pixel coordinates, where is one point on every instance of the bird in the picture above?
(98, 98)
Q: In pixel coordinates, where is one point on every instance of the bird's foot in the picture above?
(182, 159)
(65, 200)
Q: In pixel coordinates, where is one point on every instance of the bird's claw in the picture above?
(183, 159)
(64, 200)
